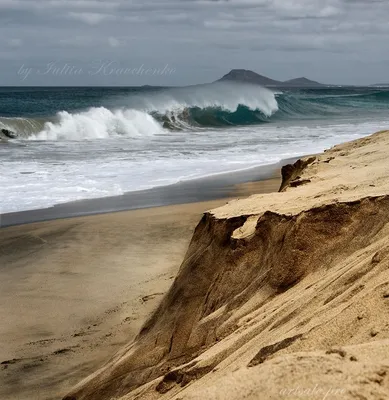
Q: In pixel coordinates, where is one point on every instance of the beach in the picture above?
(281, 293)
(194, 200)
(75, 290)
(133, 267)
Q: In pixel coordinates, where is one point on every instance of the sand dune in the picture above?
(278, 295)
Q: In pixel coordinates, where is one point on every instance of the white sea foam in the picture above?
(226, 96)
(38, 175)
(99, 123)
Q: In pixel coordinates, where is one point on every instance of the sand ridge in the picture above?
(277, 294)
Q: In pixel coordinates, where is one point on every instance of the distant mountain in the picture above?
(302, 82)
(244, 75)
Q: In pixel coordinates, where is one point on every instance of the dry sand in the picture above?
(279, 296)
(74, 291)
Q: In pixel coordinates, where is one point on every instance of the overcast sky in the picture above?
(122, 42)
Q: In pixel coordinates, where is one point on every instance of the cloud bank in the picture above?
(334, 41)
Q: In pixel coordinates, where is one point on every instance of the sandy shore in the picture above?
(279, 295)
(73, 291)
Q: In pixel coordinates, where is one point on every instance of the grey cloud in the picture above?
(201, 38)
(91, 18)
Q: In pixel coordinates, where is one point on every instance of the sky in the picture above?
(181, 42)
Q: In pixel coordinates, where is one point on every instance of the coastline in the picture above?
(267, 287)
(278, 293)
(74, 290)
(213, 187)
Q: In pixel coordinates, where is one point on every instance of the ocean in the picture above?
(80, 143)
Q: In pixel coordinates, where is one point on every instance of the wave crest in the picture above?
(151, 113)
(99, 123)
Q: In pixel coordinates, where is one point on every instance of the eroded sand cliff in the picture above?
(277, 294)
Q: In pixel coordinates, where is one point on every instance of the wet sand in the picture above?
(221, 186)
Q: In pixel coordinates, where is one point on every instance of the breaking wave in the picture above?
(160, 110)
(154, 113)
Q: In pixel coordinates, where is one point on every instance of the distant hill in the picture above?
(244, 75)
(302, 82)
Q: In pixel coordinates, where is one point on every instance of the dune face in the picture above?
(282, 294)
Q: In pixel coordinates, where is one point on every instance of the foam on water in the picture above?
(226, 96)
(99, 123)
(52, 172)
